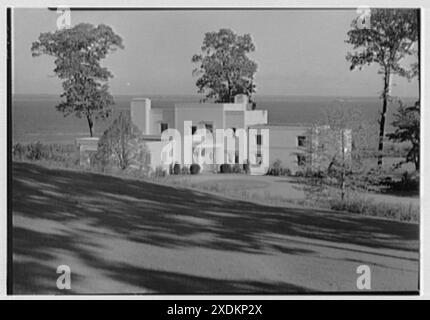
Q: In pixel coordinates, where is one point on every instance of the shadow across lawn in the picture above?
(176, 283)
(172, 217)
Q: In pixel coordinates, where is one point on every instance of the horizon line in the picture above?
(197, 95)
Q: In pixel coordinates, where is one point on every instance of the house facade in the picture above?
(284, 143)
(198, 116)
(246, 137)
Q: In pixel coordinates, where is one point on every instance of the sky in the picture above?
(298, 52)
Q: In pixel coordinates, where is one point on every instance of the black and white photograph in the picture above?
(214, 150)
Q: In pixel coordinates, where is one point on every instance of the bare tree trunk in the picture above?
(123, 151)
(229, 98)
(417, 162)
(385, 96)
(90, 125)
(343, 165)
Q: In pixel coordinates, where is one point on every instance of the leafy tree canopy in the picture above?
(407, 129)
(78, 52)
(224, 69)
(390, 37)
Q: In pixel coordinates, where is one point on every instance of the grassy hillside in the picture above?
(126, 236)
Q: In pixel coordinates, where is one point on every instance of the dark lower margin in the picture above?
(218, 309)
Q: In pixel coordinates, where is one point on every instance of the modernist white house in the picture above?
(209, 116)
(250, 138)
(260, 146)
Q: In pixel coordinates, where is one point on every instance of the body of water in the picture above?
(36, 119)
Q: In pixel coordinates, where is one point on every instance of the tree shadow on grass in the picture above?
(33, 270)
(35, 275)
(151, 213)
(177, 283)
(170, 217)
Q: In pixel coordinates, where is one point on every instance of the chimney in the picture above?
(140, 113)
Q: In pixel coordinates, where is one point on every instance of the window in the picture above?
(301, 141)
(301, 159)
(163, 126)
(259, 139)
(209, 127)
(193, 129)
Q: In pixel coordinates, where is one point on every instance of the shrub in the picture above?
(194, 168)
(185, 170)
(285, 172)
(35, 151)
(309, 173)
(409, 183)
(159, 172)
(64, 155)
(299, 173)
(273, 172)
(237, 168)
(177, 169)
(246, 168)
(396, 149)
(367, 207)
(20, 151)
(122, 146)
(276, 169)
(225, 168)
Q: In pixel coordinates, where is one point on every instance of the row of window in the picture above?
(164, 126)
(301, 140)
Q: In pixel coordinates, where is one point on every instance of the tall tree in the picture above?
(389, 38)
(224, 69)
(77, 53)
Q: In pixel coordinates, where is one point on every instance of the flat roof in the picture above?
(152, 137)
(198, 105)
(281, 125)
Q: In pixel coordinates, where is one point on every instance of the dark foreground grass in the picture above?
(121, 235)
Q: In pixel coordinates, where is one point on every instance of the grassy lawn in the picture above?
(129, 236)
(270, 188)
